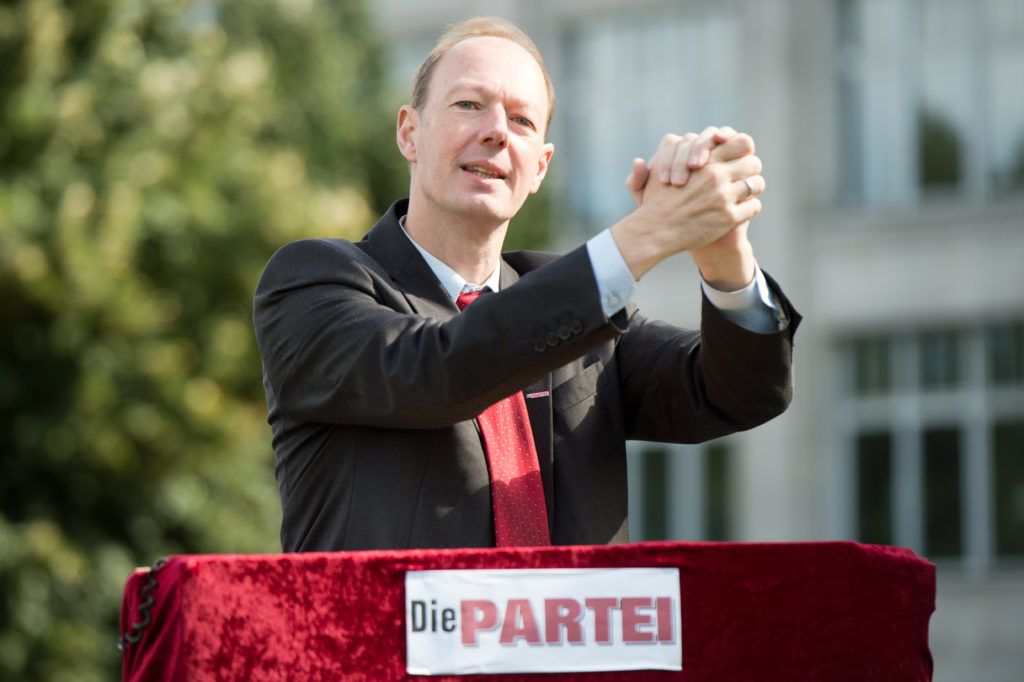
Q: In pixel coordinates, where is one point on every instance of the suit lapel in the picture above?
(538, 406)
(389, 246)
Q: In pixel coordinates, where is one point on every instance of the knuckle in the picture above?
(731, 214)
(723, 204)
(758, 165)
(746, 142)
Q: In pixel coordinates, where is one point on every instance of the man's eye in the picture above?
(523, 121)
(466, 104)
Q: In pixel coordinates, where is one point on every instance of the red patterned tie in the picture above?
(517, 493)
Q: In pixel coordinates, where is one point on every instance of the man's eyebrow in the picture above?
(484, 88)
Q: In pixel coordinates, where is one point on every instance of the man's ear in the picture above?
(405, 132)
(542, 166)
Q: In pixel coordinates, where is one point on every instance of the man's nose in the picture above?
(495, 127)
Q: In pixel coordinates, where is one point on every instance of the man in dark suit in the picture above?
(400, 421)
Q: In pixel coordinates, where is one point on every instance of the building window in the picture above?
(872, 372)
(939, 360)
(681, 492)
(1008, 439)
(1005, 344)
(934, 422)
(925, 102)
(632, 77)
(655, 518)
(874, 487)
(942, 504)
(717, 521)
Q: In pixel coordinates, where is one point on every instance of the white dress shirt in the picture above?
(753, 307)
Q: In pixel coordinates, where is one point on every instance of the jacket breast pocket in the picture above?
(581, 386)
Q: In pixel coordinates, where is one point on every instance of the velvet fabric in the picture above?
(788, 612)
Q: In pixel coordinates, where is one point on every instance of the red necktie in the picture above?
(517, 493)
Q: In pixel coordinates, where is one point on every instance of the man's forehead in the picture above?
(491, 45)
(486, 63)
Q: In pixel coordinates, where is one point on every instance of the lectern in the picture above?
(704, 612)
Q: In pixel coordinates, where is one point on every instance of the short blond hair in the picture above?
(477, 27)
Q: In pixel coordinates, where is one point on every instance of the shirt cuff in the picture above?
(753, 307)
(615, 283)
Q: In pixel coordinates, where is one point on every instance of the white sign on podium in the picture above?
(542, 620)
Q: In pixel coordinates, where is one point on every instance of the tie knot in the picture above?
(467, 297)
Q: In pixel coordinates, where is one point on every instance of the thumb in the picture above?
(637, 179)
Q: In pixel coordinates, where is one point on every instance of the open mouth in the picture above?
(482, 172)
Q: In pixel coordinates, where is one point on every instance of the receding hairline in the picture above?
(478, 27)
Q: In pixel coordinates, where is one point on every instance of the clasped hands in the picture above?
(696, 194)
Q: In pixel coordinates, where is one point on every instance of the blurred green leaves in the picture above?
(153, 154)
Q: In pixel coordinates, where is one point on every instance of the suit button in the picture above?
(564, 332)
(539, 345)
(552, 339)
(577, 326)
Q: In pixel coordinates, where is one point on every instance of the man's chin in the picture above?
(485, 209)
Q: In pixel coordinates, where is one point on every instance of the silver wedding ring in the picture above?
(750, 188)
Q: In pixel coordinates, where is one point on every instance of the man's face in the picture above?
(476, 147)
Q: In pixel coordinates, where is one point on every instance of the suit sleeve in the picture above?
(688, 386)
(340, 343)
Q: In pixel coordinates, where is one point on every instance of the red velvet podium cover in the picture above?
(826, 612)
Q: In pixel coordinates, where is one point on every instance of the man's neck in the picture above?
(469, 247)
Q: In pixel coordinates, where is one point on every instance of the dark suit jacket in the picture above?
(373, 380)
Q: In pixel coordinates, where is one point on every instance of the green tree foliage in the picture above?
(153, 154)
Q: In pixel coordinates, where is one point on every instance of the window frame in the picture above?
(973, 406)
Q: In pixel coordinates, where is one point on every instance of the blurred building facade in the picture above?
(892, 133)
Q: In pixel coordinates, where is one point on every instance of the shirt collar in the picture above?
(453, 282)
